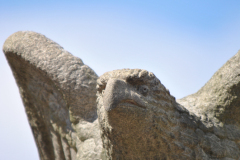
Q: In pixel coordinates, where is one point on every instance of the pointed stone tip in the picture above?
(11, 42)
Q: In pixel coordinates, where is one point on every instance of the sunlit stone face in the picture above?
(129, 107)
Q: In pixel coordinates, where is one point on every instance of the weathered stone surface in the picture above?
(140, 119)
(135, 116)
(59, 95)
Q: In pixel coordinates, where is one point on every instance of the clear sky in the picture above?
(182, 42)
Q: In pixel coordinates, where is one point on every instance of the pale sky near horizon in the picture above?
(182, 42)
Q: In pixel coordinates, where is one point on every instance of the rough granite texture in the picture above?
(59, 95)
(133, 116)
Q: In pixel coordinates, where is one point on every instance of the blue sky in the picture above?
(182, 42)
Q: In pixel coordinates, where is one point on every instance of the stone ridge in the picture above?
(218, 100)
(76, 80)
(59, 95)
(135, 77)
